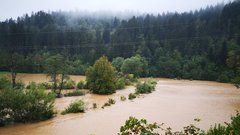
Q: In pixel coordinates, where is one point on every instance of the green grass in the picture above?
(2, 73)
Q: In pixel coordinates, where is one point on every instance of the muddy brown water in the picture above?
(175, 103)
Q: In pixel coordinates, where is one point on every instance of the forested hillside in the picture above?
(202, 44)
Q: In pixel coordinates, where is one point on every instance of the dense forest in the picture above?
(202, 44)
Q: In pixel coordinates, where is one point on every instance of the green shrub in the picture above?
(234, 126)
(4, 83)
(146, 87)
(45, 85)
(19, 85)
(218, 129)
(122, 98)
(128, 82)
(131, 78)
(25, 105)
(120, 84)
(138, 127)
(31, 85)
(74, 93)
(75, 107)
(101, 78)
(132, 96)
(81, 84)
(69, 84)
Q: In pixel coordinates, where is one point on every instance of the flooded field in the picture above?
(175, 103)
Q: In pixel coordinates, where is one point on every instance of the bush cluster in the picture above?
(75, 107)
(109, 103)
(82, 84)
(25, 105)
(147, 87)
(69, 84)
(136, 126)
(74, 93)
(131, 96)
(43, 85)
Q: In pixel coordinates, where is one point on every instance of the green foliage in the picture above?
(136, 65)
(135, 126)
(233, 128)
(131, 78)
(117, 63)
(147, 87)
(120, 84)
(75, 107)
(69, 84)
(218, 129)
(141, 127)
(19, 85)
(77, 67)
(43, 85)
(131, 96)
(236, 80)
(53, 67)
(74, 93)
(82, 84)
(101, 77)
(25, 106)
(4, 83)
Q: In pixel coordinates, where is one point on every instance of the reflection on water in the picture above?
(175, 103)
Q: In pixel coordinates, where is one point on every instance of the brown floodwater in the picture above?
(175, 103)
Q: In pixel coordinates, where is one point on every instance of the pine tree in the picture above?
(101, 77)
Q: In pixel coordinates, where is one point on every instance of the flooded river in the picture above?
(175, 103)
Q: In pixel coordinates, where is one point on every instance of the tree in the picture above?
(136, 65)
(54, 66)
(117, 63)
(101, 77)
(14, 62)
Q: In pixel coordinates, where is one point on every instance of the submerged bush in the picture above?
(82, 84)
(132, 96)
(147, 87)
(122, 98)
(75, 107)
(25, 105)
(43, 85)
(69, 84)
(74, 93)
(109, 103)
(120, 84)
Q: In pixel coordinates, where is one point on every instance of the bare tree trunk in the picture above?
(61, 85)
(14, 74)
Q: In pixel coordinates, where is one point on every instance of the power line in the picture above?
(118, 28)
(112, 44)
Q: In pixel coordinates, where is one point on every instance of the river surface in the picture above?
(175, 103)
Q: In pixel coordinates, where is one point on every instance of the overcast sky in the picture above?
(14, 8)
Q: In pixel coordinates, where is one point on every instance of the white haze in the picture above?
(15, 8)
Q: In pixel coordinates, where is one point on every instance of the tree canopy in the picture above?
(101, 77)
